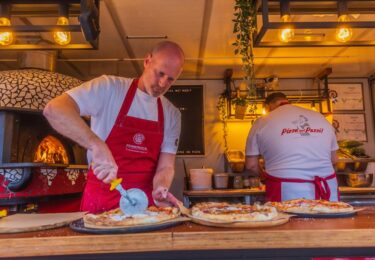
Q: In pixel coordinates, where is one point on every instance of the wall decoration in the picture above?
(350, 127)
(346, 96)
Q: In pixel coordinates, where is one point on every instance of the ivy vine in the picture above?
(221, 107)
(244, 27)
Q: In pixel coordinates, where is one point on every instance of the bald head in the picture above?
(162, 66)
(170, 48)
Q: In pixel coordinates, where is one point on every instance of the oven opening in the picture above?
(51, 150)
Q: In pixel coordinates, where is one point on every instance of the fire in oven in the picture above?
(40, 170)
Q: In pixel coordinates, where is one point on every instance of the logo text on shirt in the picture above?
(302, 127)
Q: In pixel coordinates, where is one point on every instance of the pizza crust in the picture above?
(115, 218)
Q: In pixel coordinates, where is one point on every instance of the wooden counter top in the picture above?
(353, 232)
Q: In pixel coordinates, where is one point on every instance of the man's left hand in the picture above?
(163, 198)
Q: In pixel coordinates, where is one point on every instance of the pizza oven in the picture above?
(39, 168)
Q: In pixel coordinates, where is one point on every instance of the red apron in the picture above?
(135, 145)
(273, 186)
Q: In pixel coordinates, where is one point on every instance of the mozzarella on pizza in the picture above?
(226, 212)
(116, 218)
(312, 206)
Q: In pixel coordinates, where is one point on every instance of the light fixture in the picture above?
(302, 23)
(62, 38)
(286, 34)
(343, 32)
(81, 33)
(6, 38)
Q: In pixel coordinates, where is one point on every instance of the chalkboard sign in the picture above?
(189, 99)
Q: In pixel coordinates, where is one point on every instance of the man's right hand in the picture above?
(103, 164)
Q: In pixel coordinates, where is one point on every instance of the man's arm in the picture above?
(252, 164)
(163, 179)
(333, 157)
(63, 114)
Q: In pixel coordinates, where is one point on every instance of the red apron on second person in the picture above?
(135, 145)
(322, 189)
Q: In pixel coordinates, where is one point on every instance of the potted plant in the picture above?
(244, 27)
(241, 105)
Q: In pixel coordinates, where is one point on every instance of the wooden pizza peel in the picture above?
(281, 218)
(34, 222)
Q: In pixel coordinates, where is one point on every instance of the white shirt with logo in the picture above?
(102, 98)
(295, 143)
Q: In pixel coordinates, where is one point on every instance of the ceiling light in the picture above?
(344, 33)
(62, 38)
(286, 34)
(317, 17)
(84, 29)
(6, 38)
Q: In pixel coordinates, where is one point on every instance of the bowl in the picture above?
(356, 179)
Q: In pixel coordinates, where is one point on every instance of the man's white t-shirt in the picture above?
(295, 143)
(102, 98)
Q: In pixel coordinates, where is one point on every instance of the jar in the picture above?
(246, 182)
(221, 180)
(238, 182)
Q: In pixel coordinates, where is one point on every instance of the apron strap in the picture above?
(321, 191)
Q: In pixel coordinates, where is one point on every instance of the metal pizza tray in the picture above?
(324, 215)
(78, 226)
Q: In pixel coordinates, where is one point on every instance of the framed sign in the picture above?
(350, 127)
(189, 100)
(346, 96)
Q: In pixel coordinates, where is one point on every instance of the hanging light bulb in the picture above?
(62, 38)
(6, 38)
(344, 34)
(286, 34)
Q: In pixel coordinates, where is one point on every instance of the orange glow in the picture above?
(344, 34)
(6, 38)
(286, 34)
(51, 150)
(62, 38)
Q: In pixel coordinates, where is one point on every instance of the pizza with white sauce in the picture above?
(226, 212)
(116, 218)
(308, 206)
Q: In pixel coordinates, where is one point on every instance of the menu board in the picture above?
(189, 100)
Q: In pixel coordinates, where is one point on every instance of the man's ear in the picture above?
(147, 60)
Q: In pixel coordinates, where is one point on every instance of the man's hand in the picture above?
(103, 164)
(163, 198)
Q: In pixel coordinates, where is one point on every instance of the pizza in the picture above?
(116, 218)
(308, 206)
(226, 212)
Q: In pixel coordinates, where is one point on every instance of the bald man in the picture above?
(134, 130)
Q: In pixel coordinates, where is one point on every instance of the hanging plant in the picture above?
(244, 27)
(222, 108)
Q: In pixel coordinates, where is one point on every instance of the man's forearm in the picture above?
(163, 177)
(252, 165)
(63, 115)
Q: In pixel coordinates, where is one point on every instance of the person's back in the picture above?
(298, 146)
(296, 142)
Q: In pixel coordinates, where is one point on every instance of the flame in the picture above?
(51, 150)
